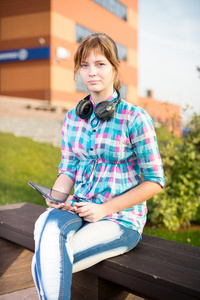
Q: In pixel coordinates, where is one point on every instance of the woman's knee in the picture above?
(56, 222)
(40, 223)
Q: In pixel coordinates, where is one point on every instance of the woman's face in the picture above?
(97, 74)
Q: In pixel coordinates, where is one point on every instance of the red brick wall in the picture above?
(163, 113)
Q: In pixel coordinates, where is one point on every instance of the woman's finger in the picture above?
(54, 205)
(80, 204)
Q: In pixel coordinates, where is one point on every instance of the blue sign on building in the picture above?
(25, 54)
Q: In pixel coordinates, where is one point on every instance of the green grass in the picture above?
(188, 236)
(22, 159)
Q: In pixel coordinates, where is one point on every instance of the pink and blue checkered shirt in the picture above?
(108, 158)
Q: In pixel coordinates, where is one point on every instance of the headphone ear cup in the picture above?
(104, 110)
(84, 109)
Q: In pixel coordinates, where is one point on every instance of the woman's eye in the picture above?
(83, 65)
(101, 64)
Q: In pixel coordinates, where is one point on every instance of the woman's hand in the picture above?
(90, 212)
(63, 206)
(58, 205)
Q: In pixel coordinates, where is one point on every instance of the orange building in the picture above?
(39, 38)
(162, 113)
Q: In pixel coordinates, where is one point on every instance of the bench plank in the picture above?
(169, 255)
(139, 286)
(17, 222)
(155, 269)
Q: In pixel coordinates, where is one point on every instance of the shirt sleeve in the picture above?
(144, 141)
(69, 161)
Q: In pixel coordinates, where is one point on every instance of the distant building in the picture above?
(162, 113)
(39, 38)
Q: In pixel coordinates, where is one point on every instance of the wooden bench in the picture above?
(155, 269)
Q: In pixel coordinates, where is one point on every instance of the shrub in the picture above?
(178, 203)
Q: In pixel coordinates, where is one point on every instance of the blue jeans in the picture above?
(65, 244)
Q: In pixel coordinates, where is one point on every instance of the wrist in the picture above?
(106, 209)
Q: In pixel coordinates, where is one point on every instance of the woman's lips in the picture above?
(93, 81)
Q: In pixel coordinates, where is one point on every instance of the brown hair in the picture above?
(103, 43)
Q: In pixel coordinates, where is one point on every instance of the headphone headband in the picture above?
(103, 111)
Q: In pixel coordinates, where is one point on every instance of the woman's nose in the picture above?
(92, 71)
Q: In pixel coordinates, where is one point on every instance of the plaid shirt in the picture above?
(108, 158)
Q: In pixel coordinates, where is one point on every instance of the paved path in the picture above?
(31, 118)
(26, 294)
(45, 131)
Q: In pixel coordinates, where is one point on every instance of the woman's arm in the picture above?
(62, 184)
(137, 195)
(94, 212)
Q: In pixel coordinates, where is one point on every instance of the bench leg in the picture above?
(86, 286)
(108, 290)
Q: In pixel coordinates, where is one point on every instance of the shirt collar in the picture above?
(112, 98)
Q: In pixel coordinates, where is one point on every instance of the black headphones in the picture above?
(103, 111)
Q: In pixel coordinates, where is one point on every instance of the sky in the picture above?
(169, 51)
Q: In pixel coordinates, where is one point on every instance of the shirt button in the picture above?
(94, 130)
(91, 149)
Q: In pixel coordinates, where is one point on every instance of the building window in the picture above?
(122, 51)
(123, 91)
(82, 32)
(80, 86)
(114, 7)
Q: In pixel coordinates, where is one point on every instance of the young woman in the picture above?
(110, 156)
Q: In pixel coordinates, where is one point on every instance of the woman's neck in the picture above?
(101, 96)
